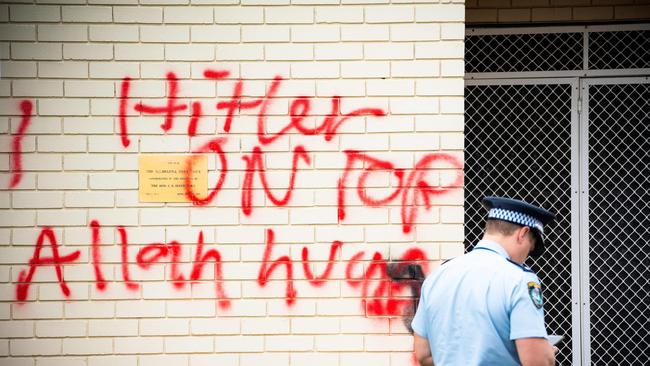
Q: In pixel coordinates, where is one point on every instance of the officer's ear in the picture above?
(522, 233)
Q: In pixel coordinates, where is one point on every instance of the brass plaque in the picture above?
(162, 177)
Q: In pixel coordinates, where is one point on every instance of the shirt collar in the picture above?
(494, 246)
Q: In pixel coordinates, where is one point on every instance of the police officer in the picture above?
(486, 307)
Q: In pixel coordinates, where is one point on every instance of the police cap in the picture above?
(520, 213)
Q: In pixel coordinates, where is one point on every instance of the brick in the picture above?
(414, 105)
(37, 199)
(314, 359)
(530, 3)
(61, 217)
(61, 361)
(187, 15)
(113, 180)
(88, 162)
(157, 70)
(239, 15)
(166, 216)
(64, 180)
(289, 343)
(314, 70)
(242, 52)
(366, 69)
(89, 199)
(414, 32)
(313, 215)
(214, 359)
(422, 68)
(87, 51)
(113, 33)
(87, 14)
(551, 14)
(138, 345)
(166, 33)
(339, 343)
(473, 16)
(136, 52)
(37, 88)
(365, 32)
(4, 13)
(17, 32)
(289, 15)
(189, 344)
(251, 70)
(388, 51)
(43, 162)
(190, 52)
(164, 360)
(390, 14)
(114, 70)
(439, 50)
(38, 310)
(113, 327)
(61, 143)
(452, 31)
(35, 347)
(285, 52)
(440, 13)
(631, 12)
(164, 327)
(315, 33)
(193, 308)
(61, 328)
(215, 326)
(112, 360)
(68, 69)
(33, 13)
(140, 309)
(336, 14)
(137, 14)
(439, 87)
(271, 359)
(36, 51)
(19, 69)
(239, 344)
(62, 32)
(378, 359)
(449, 123)
(265, 325)
(341, 87)
(266, 33)
(514, 15)
(216, 33)
(17, 329)
(338, 51)
(390, 87)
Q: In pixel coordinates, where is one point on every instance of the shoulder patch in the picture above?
(535, 293)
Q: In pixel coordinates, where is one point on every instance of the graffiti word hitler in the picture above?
(299, 110)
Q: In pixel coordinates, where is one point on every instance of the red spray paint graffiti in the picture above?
(299, 109)
(414, 191)
(16, 166)
(56, 260)
(380, 295)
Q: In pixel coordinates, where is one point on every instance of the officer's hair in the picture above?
(500, 227)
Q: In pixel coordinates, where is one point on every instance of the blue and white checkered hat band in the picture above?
(516, 217)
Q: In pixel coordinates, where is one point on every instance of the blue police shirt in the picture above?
(473, 307)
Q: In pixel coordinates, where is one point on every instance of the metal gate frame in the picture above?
(584, 73)
(584, 270)
(580, 80)
(576, 321)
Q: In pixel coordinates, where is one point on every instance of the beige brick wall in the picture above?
(132, 289)
(556, 11)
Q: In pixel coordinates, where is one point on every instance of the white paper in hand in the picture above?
(555, 339)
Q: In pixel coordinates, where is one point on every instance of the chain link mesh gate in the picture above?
(619, 221)
(522, 134)
(518, 144)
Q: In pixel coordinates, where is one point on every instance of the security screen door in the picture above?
(544, 124)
